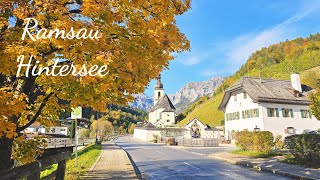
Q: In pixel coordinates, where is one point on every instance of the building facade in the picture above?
(162, 113)
(278, 106)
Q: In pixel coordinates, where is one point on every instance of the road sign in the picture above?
(76, 113)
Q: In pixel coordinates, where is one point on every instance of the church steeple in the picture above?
(158, 91)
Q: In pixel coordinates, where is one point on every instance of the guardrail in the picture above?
(32, 170)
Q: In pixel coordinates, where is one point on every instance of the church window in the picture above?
(159, 93)
(244, 95)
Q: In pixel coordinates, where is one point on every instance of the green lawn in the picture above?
(256, 154)
(86, 158)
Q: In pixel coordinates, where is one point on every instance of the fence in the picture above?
(181, 141)
(205, 142)
(32, 170)
(66, 142)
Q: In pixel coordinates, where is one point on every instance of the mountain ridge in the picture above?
(186, 95)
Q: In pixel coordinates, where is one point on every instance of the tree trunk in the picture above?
(5, 153)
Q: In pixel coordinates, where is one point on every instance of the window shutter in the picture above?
(291, 113)
(283, 113)
(310, 114)
(242, 114)
(258, 112)
(277, 112)
(302, 114)
(268, 111)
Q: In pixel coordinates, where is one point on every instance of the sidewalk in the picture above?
(112, 164)
(270, 165)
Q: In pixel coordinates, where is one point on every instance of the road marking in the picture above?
(198, 153)
(160, 152)
(192, 166)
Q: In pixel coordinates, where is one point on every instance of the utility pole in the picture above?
(76, 141)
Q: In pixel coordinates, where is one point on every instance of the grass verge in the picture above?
(86, 158)
(256, 154)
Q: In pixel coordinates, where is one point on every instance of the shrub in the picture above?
(262, 141)
(305, 148)
(155, 138)
(244, 140)
(170, 141)
(255, 141)
(278, 143)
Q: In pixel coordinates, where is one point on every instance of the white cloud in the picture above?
(238, 50)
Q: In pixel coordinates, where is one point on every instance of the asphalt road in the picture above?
(156, 161)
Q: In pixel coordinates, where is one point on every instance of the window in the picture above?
(159, 95)
(287, 112)
(235, 98)
(245, 114)
(306, 113)
(273, 112)
(244, 95)
(255, 112)
(250, 113)
(233, 116)
(168, 120)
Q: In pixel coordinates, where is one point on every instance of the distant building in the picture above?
(163, 111)
(37, 128)
(278, 106)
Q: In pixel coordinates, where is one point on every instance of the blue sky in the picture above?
(223, 34)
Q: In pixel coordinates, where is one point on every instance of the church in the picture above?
(162, 113)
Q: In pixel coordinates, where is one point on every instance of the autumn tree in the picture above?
(131, 128)
(138, 39)
(314, 98)
(101, 128)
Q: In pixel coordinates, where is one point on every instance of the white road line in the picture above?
(198, 153)
(159, 152)
(192, 166)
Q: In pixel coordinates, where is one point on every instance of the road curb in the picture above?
(261, 168)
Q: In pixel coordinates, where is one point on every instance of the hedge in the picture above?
(305, 148)
(261, 141)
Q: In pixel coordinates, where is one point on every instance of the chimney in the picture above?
(295, 82)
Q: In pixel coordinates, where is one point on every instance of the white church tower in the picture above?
(163, 112)
(158, 91)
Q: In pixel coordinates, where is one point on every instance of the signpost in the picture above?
(76, 114)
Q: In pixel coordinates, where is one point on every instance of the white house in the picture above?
(278, 106)
(163, 112)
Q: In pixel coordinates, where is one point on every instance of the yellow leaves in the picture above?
(138, 40)
(9, 104)
(7, 128)
(24, 151)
